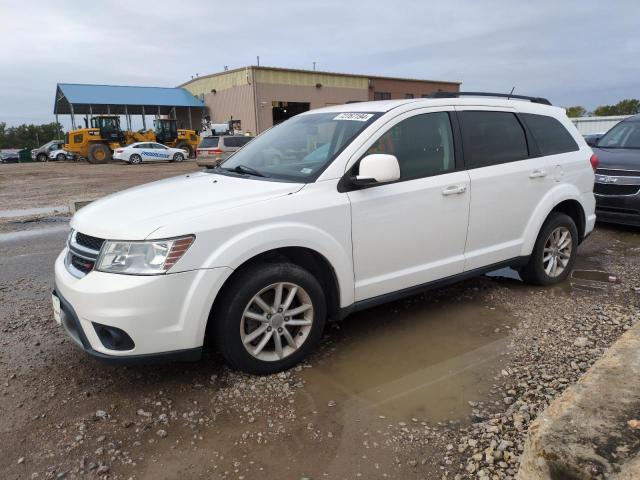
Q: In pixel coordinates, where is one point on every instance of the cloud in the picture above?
(574, 52)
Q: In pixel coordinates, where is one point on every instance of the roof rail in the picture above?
(542, 100)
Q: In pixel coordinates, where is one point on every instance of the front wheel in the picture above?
(269, 318)
(61, 157)
(554, 253)
(135, 159)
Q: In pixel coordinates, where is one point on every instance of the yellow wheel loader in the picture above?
(97, 142)
(167, 133)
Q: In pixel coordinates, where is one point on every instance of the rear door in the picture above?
(508, 181)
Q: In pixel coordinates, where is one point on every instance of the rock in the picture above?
(161, 433)
(101, 414)
(102, 470)
(581, 342)
(331, 403)
(20, 460)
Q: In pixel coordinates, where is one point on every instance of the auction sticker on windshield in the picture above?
(358, 117)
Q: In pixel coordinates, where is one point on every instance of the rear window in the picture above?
(235, 141)
(550, 135)
(209, 142)
(492, 138)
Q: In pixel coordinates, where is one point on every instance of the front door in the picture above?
(412, 231)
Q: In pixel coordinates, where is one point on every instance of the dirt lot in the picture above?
(441, 385)
(28, 185)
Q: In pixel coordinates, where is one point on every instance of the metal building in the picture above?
(587, 125)
(86, 100)
(260, 97)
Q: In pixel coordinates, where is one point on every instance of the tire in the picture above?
(187, 147)
(61, 157)
(99, 153)
(541, 271)
(178, 157)
(42, 157)
(135, 159)
(233, 328)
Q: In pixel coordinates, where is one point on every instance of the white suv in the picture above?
(332, 211)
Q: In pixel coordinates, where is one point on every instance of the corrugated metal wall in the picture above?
(586, 125)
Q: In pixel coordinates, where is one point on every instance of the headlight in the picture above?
(153, 257)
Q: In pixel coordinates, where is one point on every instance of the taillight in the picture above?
(595, 161)
(119, 151)
(216, 151)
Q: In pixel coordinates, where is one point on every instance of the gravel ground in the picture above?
(63, 415)
(28, 185)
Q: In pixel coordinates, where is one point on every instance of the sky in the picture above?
(572, 52)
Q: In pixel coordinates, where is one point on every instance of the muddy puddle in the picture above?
(425, 361)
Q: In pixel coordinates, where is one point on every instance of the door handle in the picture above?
(454, 190)
(538, 173)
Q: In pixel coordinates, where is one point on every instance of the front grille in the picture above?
(87, 241)
(83, 253)
(613, 189)
(82, 264)
(618, 173)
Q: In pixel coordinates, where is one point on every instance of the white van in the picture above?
(332, 211)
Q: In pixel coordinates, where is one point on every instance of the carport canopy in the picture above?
(83, 99)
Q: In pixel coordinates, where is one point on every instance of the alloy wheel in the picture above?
(557, 251)
(277, 321)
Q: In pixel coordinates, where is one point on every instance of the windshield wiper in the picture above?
(244, 170)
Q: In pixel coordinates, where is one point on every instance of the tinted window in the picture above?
(491, 138)
(549, 134)
(422, 144)
(235, 141)
(209, 142)
(382, 95)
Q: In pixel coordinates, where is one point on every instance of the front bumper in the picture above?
(622, 209)
(165, 316)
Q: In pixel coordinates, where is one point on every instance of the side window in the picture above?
(382, 95)
(492, 138)
(229, 142)
(550, 135)
(423, 145)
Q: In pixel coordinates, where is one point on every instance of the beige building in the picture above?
(261, 97)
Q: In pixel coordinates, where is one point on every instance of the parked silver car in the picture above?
(41, 154)
(213, 150)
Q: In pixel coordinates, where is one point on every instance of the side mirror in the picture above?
(377, 168)
(593, 140)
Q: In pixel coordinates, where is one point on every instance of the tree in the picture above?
(29, 135)
(629, 106)
(576, 111)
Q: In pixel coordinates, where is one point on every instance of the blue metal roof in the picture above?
(83, 94)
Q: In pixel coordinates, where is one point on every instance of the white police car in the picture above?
(149, 152)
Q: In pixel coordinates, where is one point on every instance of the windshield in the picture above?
(300, 148)
(623, 135)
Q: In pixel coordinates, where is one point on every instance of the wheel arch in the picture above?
(564, 199)
(311, 260)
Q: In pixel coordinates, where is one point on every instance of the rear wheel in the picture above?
(187, 147)
(42, 157)
(99, 153)
(554, 253)
(135, 159)
(269, 317)
(178, 157)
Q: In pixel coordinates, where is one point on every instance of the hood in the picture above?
(618, 158)
(135, 213)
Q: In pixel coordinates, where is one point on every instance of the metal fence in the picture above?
(587, 125)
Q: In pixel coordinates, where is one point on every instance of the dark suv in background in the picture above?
(617, 183)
